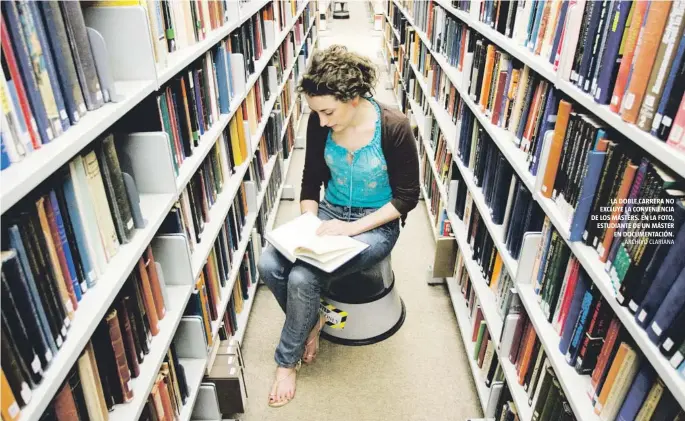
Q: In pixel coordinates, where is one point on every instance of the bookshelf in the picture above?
(570, 381)
(180, 59)
(485, 295)
(658, 149)
(19, 179)
(461, 312)
(159, 189)
(199, 365)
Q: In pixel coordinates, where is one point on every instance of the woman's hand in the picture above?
(337, 227)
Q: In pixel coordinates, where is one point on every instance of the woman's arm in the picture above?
(308, 205)
(314, 171)
(381, 216)
(403, 165)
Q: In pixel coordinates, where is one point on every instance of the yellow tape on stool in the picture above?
(335, 318)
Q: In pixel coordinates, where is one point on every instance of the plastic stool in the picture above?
(364, 307)
(342, 13)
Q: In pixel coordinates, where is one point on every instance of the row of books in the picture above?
(285, 10)
(523, 354)
(628, 55)
(588, 340)
(73, 225)
(544, 107)
(137, 321)
(584, 162)
(657, 176)
(120, 342)
(82, 239)
(49, 78)
(64, 236)
(651, 291)
(187, 106)
(500, 404)
(509, 202)
(178, 25)
(583, 147)
(595, 343)
(169, 392)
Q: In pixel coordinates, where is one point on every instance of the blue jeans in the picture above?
(298, 286)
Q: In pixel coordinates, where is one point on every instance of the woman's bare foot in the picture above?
(312, 346)
(283, 390)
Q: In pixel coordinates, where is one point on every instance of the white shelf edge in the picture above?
(95, 303)
(142, 385)
(22, 177)
(461, 312)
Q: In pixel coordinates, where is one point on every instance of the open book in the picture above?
(298, 240)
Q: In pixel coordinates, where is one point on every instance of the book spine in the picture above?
(124, 375)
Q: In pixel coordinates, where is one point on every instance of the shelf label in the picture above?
(35, 364)
(25, 392)
(668, 344)
(642, 316)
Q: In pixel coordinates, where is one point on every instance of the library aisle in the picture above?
(420, 373)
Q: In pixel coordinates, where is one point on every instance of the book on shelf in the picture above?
(298, 240)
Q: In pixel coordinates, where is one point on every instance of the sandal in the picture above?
(272, 397)
(309, 358)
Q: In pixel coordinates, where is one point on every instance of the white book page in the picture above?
(298, 238)
(333, 264)
(293, 234)
(327, 243)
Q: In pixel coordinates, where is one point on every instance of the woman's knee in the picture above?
(302, 280)
(270, 267)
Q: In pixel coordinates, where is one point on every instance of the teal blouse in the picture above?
(359, 179)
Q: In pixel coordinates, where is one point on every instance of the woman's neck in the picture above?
(363, 115)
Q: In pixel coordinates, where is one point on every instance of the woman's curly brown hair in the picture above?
(341, 73)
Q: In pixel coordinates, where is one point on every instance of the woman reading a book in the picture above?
(364, 154)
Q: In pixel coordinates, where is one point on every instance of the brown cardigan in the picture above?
(399, 148)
